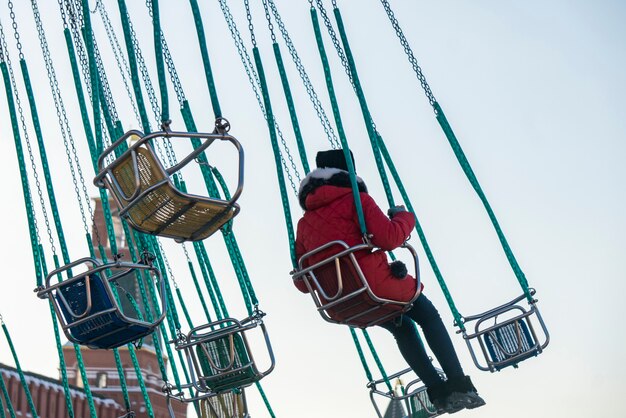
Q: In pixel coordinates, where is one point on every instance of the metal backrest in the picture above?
(151, 199)
(228, 404)
(506, 335)
(340, 288)
(412, 396)
(91, 307)
(220, 358)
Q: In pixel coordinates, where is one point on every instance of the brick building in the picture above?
(49, 397)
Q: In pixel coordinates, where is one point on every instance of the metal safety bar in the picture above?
(128, 200)
(71, 320)
(325, 302)
(506, 341)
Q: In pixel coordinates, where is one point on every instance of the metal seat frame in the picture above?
(217, 330)
(521, 315)
(120, 269)
(307, 274)
(238, 403)
(126, 202)
(415, 391)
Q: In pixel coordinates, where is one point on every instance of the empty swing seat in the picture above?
(228, 404)
(90, 311)
(149, 198)
(220, 358)
(413, 396)
(340, 290)
(506, 335)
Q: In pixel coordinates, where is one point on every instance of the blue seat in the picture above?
(106, 326)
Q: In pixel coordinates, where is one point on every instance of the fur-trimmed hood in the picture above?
(326, 176)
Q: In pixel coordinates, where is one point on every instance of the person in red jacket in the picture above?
(330, 214)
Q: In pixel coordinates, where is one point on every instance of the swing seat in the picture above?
(219, 356)
(340, 290)
(88, 307)
(148, 196)
(228, 404)
(507, 335)
(413, 396)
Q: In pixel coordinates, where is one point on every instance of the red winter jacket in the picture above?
(330, 214)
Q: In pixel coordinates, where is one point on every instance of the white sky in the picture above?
(535, 92)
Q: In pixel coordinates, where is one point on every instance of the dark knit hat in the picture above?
(333, 158)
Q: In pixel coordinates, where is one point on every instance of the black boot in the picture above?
(438, 395)
(463, 394)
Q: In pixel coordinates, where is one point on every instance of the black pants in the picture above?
(427, 317)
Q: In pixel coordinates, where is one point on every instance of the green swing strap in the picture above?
(420, 232)
(132, 61)
(314, 99)
(158, 50)
(30, 214)
(29, 397)
(337, 115)
(458, 151)
(295, 124)
(7, 400)
(206, 62)
(274, 140)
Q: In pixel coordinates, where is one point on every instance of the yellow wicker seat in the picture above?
(149, 199)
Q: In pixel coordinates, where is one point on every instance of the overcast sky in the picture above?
(535, 92)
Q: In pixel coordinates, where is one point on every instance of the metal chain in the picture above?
(335, 39)
(75, 24)
(122, 64)
(7, 60)
(63, 14)
(167, 264)
(250, 25)
(268, 17)
(16, 33)
(254, 82)
(317, 105)
(143, 69)
(104, 82)
(62, 116)
(409, 52)
(342, 56)
(169, 62)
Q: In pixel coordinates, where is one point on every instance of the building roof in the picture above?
(54, 384)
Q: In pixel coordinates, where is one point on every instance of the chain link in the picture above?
(145, 76)
(122, 64)
(409, 52)
(269, 21)
(250, 25)
(317, 105)
(16, 33)
(63, 14)
(61, 113)
(254, 82)
(30, 151)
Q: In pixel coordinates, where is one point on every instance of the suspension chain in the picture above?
(317, 105)
(27, 139)
(407, 50)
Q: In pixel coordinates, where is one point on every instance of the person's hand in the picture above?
(395, 210)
